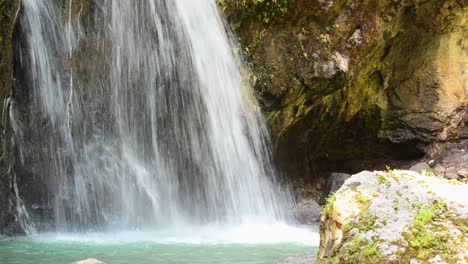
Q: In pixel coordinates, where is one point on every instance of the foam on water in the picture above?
(206, 235)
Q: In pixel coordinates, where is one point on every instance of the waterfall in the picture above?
(139, 119)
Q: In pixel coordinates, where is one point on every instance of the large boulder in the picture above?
(396, 217)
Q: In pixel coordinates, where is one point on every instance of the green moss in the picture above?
(425, 215)
(428, 236)
(383, 180)
(362, 200)
(463, 229)
(266, 11)
(328, 209)
(347, 227)
(359, 250)
(364, 223)
(371, 253)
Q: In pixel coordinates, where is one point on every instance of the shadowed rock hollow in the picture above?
(354, 85)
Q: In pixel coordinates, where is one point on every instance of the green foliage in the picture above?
(425, 215)
(359, 250)
(390, 172)
(366, 222)
(347, 227)
(381, 179)
(463, 229)
(371, 253)
(266, 11)
(328, 210)
(427, 237)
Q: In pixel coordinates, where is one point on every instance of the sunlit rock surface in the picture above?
(396, 217)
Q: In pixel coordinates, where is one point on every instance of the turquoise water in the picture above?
(253, 246)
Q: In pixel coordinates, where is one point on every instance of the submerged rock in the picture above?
(89, 261)
(300, 259)
(396, 217)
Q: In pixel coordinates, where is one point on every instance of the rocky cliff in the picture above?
(352, 85)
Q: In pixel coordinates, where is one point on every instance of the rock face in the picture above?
(354, 85)
(11, 171)
(396, 217)
(9, 224)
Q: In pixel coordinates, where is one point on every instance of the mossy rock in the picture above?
(396, 217)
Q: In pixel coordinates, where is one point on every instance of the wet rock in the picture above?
(308, 212)
(336, 180)
(396, 217)
(300, 259)
(89, 261)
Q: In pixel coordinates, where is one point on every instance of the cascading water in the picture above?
(142, 119)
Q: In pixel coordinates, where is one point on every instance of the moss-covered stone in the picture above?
(428, 226)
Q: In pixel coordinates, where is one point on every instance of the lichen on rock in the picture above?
(396, 217)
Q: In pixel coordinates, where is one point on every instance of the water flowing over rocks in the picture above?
(396, 217)
(130, 116)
